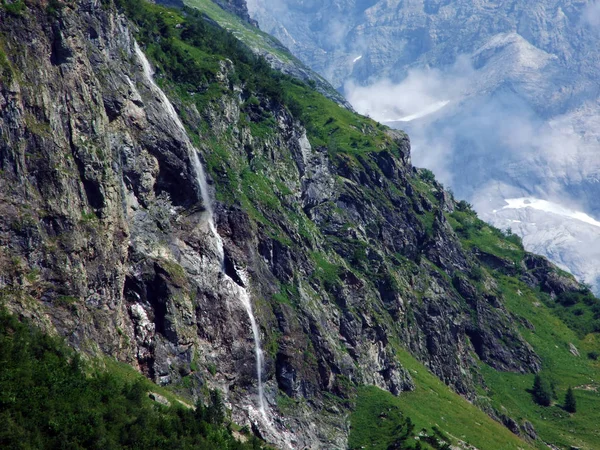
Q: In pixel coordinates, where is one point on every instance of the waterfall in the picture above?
(245, 299)
(197, 165)
(242, 293)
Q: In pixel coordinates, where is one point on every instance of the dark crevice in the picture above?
(61, 53)
(477, 341)
(230, 270)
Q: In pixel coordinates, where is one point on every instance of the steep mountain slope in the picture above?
(52, 399)
(312, 235)
(500, 98)
(263, 44)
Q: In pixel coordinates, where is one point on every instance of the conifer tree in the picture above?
(542, 391)
(570, 402)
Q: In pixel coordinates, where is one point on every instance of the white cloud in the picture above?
(421, 90)
(472, 134)
(591, 14)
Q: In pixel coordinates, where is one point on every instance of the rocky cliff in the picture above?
(239, 8)
(313, 214)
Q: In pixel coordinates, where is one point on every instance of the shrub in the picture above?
(464, 206)
(427, 175)
(15, 8)
(477, 273)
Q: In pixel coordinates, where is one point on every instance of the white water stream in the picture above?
(245, 299)
(242, 293)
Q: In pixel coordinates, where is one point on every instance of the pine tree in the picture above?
(542, 391)
(570, 402)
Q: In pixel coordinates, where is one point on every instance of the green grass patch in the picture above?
(327, 272)
(15, 8)
(377, 422)
(6, 70)
(248, 34)
(432, 404)
(329, 125)
(476, 233)
(551, 339)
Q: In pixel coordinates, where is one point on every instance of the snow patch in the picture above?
(549, 207)
(424, 112)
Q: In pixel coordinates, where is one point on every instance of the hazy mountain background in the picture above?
(500, 98)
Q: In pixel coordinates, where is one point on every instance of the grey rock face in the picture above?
(237, 7)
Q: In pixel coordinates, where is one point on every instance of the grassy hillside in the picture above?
(562, 330)
(433, 409)
(248, 34)
(553, 341)
(50, 398)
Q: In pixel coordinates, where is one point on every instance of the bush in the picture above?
(427, 175)
(477, 273)
(464, 206)
(15, 8)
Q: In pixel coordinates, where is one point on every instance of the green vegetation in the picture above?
(579, 310)
(249, 35)
(329, 125)
(6, 71)
(325, 271)
(556, 327)
(432, 404)
(553, 341)
(189, 50)
(378, 423)
(49, 398)
(570, 402)
(16, 8)
(475, 233)
(542, 390)
(427, 175)
(441, 417)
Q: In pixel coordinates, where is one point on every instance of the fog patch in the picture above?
(421, 90)
(591, 14)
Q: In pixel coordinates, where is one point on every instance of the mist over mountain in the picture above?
(501, 99)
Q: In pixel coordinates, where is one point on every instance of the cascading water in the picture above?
(241, 292)
(245, 299)
(197, 165)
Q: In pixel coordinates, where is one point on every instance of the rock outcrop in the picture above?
(239, 8)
